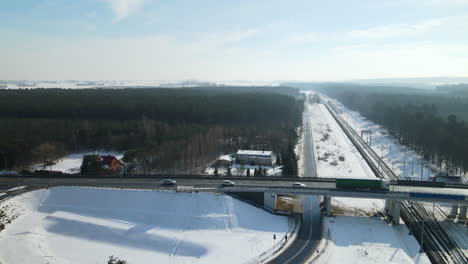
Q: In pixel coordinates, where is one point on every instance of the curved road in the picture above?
(309, 235)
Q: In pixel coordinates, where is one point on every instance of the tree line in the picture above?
(426, 122)
(165, 130)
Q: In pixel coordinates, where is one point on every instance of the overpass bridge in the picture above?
(418, 191)
(395, 195)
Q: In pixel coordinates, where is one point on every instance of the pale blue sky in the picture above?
(232, 40)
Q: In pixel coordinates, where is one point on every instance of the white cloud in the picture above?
(123, 8)
(303, 37)
(395, 30)
(228, 37)
(406, 29)
(220, 39)
(399, 60)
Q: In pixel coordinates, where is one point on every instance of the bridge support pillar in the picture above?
(269, 201)
(389, 206)
(396, 212)
(327, 200)
(463, 210)
(393, 207)
(453, 211)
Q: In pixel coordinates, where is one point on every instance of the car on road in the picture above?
(227, 183)
(298, 185)
(168, 182)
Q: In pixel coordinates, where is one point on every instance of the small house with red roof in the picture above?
(111, 164)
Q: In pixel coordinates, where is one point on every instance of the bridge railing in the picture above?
(169, 176)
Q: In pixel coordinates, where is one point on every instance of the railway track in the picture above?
(434, 240)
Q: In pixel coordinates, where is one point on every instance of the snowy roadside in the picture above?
(281, 245)
(350, 239)
(407, 164)
(356, 235)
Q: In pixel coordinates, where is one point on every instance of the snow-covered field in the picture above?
(71, 163)
(354, 237)
(87, 225)
(335, 155)
(130, 83)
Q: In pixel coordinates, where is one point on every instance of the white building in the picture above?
(256, 157)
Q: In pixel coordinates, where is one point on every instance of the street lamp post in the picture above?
(411, 222)
(421, 250)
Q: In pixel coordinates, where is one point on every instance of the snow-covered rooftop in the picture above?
(254, 152)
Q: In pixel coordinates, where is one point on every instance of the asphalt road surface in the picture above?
(309, 158)
(310, 231)
(309, 235)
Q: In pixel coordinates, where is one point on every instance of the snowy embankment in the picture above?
(87, 225)
(72, 163)
(352, 237)
(336, 156)
(407, 164)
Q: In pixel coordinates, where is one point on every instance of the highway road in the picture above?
(315, 186)
(310, 169)
(310, 231)
(152, 183)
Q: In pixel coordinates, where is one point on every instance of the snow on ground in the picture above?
(71, 163)
(5, 172)
(353, 239)
(17, 188)
(87, 225)
(405, 162)
(299, 150)
(335, 155)
(241, 170)
(330, 144)
(135, 83)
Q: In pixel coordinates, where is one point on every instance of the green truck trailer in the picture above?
(373, 184)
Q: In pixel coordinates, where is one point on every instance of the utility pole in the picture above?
(422, 170)
(404, 164)
(412, 167)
